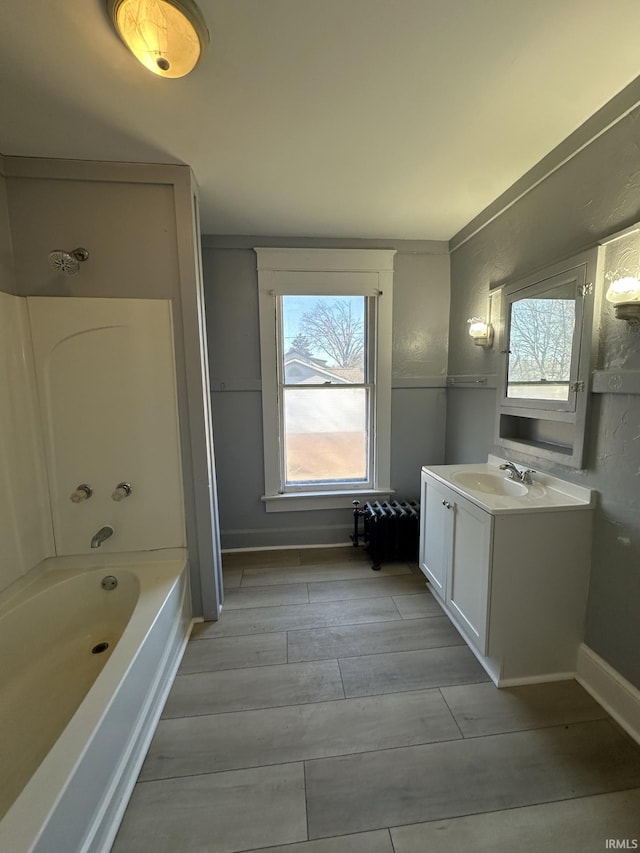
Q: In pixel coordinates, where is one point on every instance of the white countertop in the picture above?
(547, 493)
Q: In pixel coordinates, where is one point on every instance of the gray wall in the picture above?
(593, 195)
(420, 344)
(128, 228)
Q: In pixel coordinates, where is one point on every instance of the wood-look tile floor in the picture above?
(336, 710)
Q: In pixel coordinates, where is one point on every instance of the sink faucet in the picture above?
(102, 534)
(514, 474)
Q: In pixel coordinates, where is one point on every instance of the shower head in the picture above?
(68, 262)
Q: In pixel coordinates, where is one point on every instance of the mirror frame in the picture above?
(512, 294)
(548, 429)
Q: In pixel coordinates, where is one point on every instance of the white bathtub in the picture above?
(75, 722)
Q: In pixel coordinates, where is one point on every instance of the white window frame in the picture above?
(331, 272)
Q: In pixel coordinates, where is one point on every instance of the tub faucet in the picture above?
(102, 534)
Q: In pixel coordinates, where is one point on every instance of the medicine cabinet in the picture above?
(546, 347)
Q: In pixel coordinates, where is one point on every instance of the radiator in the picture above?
(390, 530)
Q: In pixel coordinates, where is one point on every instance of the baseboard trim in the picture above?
(545, 678)
(616, 695)
(287, 547)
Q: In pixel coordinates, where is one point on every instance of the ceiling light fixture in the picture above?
(166, 36)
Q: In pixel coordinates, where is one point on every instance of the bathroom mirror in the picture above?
(543, 342)
(545, 365)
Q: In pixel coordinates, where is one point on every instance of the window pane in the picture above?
(326, 435)
(540, 348)
(323, 340)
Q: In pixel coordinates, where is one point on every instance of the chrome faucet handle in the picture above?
(526, 476)
(121, 491)
(82, 493)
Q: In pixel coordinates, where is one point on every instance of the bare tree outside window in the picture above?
(332, 328)
(541, 338)
(540, 347)
(325, 419)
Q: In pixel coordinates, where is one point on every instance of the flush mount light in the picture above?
(166, 36)
(481, 331)
(624, 294)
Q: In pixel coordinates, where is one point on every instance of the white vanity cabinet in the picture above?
(455, 555)
(511, 575)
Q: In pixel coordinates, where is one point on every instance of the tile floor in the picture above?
(336, 710)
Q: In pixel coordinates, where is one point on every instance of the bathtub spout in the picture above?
(102, 534)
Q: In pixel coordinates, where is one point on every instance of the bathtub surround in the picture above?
(107, 391)
(591, 194)
(72, 734)
(81, 384)
(140, 225)
(27, 530)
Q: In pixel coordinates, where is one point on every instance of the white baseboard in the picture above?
(616, 695)
(545, 678)
(287, 547)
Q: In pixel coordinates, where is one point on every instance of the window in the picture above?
(325, 337)
(542, 330)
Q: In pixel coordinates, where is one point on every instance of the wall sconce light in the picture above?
(624, 295)
(166, 36)
(481, 331)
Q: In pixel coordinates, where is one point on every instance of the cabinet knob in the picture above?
(446, 504)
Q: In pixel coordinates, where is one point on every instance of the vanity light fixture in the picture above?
(481, 331)
(624, 295)
(166, 36)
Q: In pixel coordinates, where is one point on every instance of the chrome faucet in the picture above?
(102, 534)
(514, 473)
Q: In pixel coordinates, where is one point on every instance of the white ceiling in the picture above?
(343, 118)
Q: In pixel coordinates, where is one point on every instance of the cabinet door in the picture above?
(435, 533)
(468, 588)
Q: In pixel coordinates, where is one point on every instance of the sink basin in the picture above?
(486, 485)
(493, 484)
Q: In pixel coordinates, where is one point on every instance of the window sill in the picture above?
(296, 501)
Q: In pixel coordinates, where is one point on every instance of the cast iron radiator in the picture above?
(391, 530)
